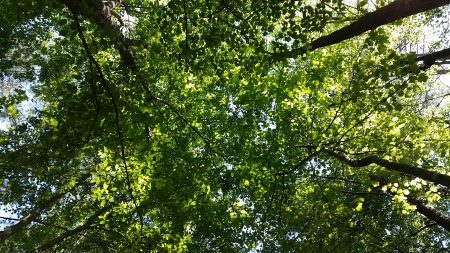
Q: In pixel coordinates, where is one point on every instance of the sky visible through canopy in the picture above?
(224, 126)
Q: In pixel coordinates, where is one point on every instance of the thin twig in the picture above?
(96, 101)
(422, 228)
(177, 112)
(232, 12)
(116, 111)
(185, 23)
(263, 221)
(297, 165)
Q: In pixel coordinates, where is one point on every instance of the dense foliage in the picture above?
(224, 126)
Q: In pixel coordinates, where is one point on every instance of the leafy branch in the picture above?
(69, 233)
(33, 214)
(116, 112)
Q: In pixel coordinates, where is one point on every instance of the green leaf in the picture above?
(54, 122)
(62, 22)
(422, 77)
(64, 32)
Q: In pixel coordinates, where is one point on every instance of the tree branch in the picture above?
(396, 10)
(297, 165)
(430, 212)
(422, 228)
(116, 113)
(69, 233)
(33, 214)
(430, 59)
(104, 16)
(431, 176)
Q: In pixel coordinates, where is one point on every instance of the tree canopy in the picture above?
(225, 126)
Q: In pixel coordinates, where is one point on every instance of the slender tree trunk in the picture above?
(430, 59)
(394, 11)
(426, 210)
(430, 212)
(33, 214)
(431, 176)
(104, 17)
(25, 221)
(69, 233)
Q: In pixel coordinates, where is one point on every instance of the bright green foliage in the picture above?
(188, 127)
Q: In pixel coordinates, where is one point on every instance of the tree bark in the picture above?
(396, 10)
(25, 221)
(430, 212)
(431, 176)
(430, 59)
(102, 18)
(33, 214)
(426, 210)
(69, 233)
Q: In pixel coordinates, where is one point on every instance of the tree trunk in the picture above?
(25, 221)
(431, 176)
(430, 59)
(104, 16)
(430, 212)
(33, 214)
(68, 233)
(394, 11)
(426, 210)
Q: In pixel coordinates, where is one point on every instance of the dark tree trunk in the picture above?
(430, 212)
(394, 11)
(426, 210)
(25, 221)
(430, 59)
(69, 233)
(33, 214)
(104, 16)
(431, 176)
